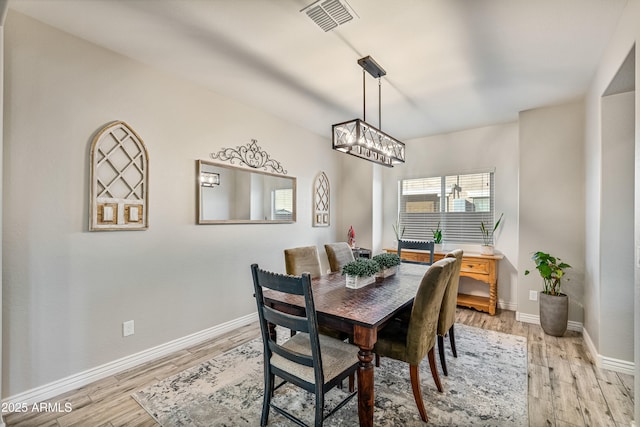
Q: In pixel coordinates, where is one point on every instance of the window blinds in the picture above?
(282, 204)
(457, 202)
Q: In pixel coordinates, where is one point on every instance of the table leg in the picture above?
(365, 387)
(365, 339)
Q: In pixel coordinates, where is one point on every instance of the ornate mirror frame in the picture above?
(251, 193)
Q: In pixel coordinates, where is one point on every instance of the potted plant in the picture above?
(398, 230)
(487, 236)
(388, 264)
(554, 305)
(360, 272)
(437, 237)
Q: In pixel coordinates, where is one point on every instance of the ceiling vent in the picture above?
(328, 14)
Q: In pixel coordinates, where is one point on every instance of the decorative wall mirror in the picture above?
(236, 195)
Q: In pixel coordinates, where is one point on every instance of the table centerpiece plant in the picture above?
(388, 264)
(360, 272)
(554, 305)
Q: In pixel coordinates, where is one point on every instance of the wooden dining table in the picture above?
(360, 313)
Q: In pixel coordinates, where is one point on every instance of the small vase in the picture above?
(554, 314)
(357, 282)
(437, 247)
(486, 250)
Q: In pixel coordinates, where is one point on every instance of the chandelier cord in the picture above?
(364, 99)
(379, 102)
(364, 96)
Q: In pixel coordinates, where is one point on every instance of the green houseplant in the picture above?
(398, 229)
(388, 264)
(360, 272)
(554, 305)
(437, 234)
(487, 236)
(551, 270)
(387, 260)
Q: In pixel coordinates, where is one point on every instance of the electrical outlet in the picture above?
(533, 295)
(127, 328)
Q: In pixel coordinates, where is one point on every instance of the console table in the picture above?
(474, 265)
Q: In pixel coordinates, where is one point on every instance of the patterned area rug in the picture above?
(486, 386)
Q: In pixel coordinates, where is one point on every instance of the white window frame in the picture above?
(279, 197)
(457, 227)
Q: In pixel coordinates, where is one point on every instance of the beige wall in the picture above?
(617, 212)
(66, 290)
(357, 198)
(551, 203)
(3, 11)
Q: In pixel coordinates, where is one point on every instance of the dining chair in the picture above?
(410, 342)
(301, 260)
(447, 318)
(313, 362)
(339, 254)
(423, 245)
(305, 259)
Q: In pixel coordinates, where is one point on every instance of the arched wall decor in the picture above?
(119, 180)
(321, 201)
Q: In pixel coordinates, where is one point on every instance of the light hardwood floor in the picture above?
(565, 387)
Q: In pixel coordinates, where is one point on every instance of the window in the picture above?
(458, 202)
(282, 204)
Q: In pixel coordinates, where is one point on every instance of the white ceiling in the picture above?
(451, 64)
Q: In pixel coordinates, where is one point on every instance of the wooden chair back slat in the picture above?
(423, 245)
(289, 321)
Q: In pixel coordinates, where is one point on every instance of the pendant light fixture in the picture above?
(359, 138)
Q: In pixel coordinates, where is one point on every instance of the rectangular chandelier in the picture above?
(360, 139)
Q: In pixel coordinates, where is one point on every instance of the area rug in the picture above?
(486, 386)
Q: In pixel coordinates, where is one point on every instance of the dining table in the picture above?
(360, 313)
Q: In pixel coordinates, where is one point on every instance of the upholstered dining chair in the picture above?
(338, 254)
(411, 342)
(301, 260)
(305, 259)
(447, 317)
(423, 245)
(313, 362)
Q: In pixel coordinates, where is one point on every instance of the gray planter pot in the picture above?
(554, 314)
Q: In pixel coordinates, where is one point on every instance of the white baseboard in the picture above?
(535, 319)
(617, 365)
(505, 305)
(604, 362)
(75, 381)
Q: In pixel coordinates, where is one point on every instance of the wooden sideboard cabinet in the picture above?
(474, 265)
